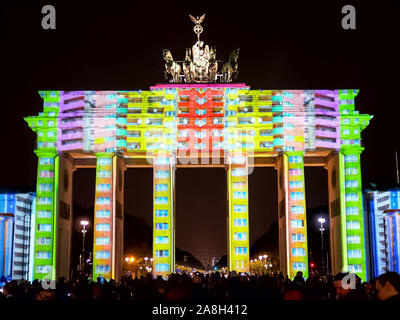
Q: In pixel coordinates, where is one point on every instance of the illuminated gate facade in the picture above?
(174, 126)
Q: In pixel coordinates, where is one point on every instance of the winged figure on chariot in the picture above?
(200, 64)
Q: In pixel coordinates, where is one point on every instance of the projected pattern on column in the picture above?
(163, 217)
(45, 125)
(352, 216)
(238, 226)
(297, 222)
(103, 246)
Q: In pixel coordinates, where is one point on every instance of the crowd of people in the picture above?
(210, 287)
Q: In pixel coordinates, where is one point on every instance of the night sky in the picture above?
(284, 45)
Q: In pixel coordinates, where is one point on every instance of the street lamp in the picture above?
(322, 229)
(145, 263)
(84, 223)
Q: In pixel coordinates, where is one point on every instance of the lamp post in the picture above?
(265, 256)
(322, 229)
(262, 259)
(132, 265)
(84, 223)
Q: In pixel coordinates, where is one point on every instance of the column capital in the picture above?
(345, 150)
(104, 154)
(46, 153)
(294, 153)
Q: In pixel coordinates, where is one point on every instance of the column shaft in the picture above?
(104, 252)
(44, 265)
(163, 214)
(64, 217)
(293, 251)
(6, 245)
(346, 214)
(238, 213)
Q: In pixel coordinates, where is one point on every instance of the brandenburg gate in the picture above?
(200, 118)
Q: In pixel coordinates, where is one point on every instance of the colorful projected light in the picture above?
(202, 123)
(179, 122)
(383, 208)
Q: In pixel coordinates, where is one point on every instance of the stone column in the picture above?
(119, 216)
(335, 234)
(6, 243)
(163, 214)
(107, 219)
(238, 212)
(293, 251)
(347, 234)
(64, 217)
(44, 265)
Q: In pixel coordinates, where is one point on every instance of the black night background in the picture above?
(118, 45)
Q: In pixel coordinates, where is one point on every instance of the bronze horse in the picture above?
(188, 67)
(230, 69)
(212, 65)
(171, 67)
